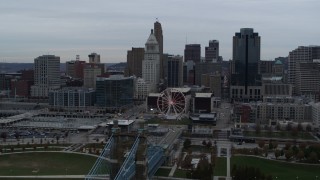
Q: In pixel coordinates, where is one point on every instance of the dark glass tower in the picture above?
(246, 57)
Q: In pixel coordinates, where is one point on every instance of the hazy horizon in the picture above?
(68, 28)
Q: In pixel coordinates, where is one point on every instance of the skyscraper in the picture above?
(94, 58)
(192, 52)
(212, 51)
(246, 57)
(151, 63)
(303, 69)
(174, 71)
(159, 36)
(134, 62)
(46, 75)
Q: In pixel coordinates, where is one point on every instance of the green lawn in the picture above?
(162, 172)
(47, 163)
(281, 170)
(283, 134)
(180, 173)
(220, 168)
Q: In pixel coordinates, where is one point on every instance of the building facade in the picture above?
(246, 57)
(192, 52)
(94, 58)
(159, 36)
(174, 71)
(46, 75)
(134, 62)
(114, 93)
(151, 63)
(212, 51)
(72, 97)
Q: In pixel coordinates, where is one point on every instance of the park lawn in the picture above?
(180, 173)
(283, 134)
(162, 172)
(281, 170)
(220, 168)
(48, 163)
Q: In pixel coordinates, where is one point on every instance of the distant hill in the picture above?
(14, 67)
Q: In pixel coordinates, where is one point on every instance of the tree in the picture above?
(261, 143)
(300, 155)
(288, 154)
(277, 153)
(209, 144)
(302, 146)
(294, 132)
(289, 127)
(308, 128)
(4, 136)
(258, 129)
(204, 142)
(57, 138)
(278, 127)
(313, 158)
(287, 146)
(186, 143)
(17, 135)
(275, 144)
(300, 128)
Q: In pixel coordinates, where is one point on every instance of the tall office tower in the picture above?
(134, 62)
(74, 68)
(301, 54)
(94, 58)
(307, 80)
(46, 75)
(192, 52)
(205, 68)
(151, 63)
(188, 73)
(174, 71)
(159, 36)
(246, 57)
(90, 73)
(212, 51)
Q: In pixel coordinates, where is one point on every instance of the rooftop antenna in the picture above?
(186, 38)
(77, 57)
(157, 19)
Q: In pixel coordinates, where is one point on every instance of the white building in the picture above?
(46, 75)
(151, 63)
(141, 89)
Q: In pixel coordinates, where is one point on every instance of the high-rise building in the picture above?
(192, 52)
(134, 62)
(91, 71)
(159, 36)
(151, 63)
(246, 57)
(307, 81)
(74, 68)
(115, 92)
(94, 58)
(303, 54)
(46, 75)
(212, 51)
(72, 97)
(205, 68)
(174, 71)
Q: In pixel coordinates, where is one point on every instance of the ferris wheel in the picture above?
(171, 103)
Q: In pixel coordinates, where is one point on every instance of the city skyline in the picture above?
(68, 28)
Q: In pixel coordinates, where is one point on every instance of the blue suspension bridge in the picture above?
(140, 162)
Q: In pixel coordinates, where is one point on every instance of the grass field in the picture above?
(162, 172)
(283, 134)
(220, 168)
(45, 163)
(180, 173)
(281, 170)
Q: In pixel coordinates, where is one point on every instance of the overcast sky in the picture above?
(65, 28)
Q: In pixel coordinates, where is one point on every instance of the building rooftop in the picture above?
(203, 95)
